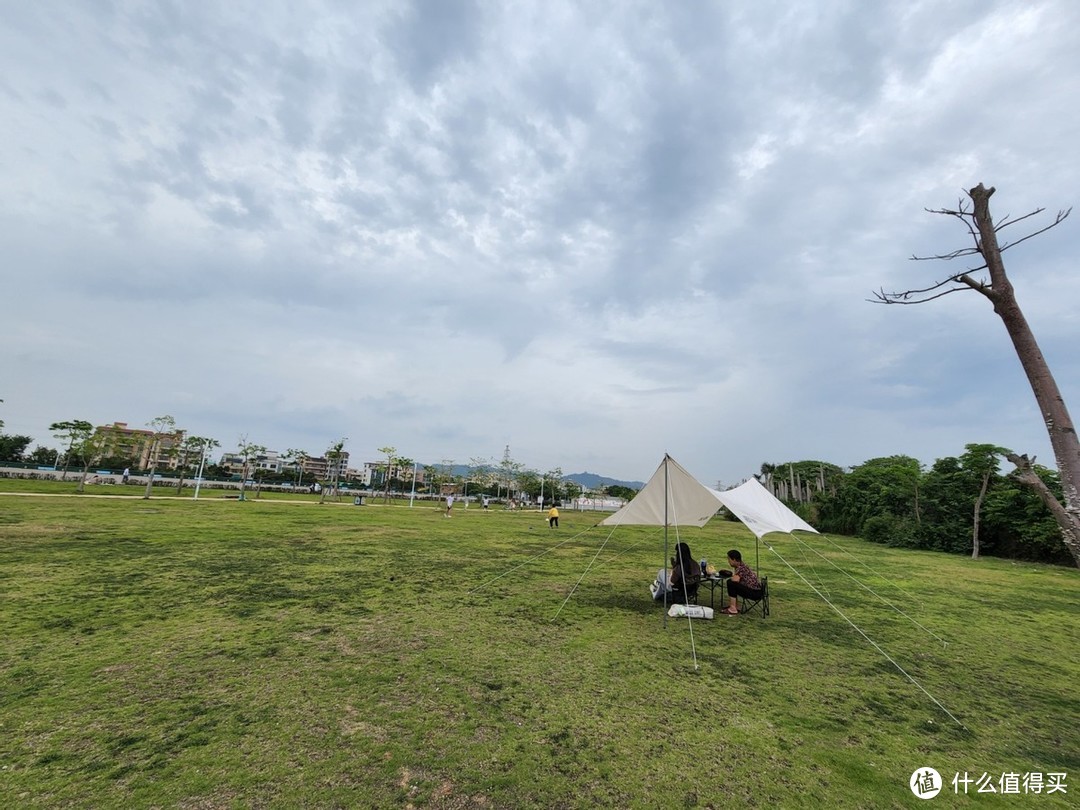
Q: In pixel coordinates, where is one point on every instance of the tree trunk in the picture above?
(1070, 530)
(82, 478)
(978, 514)
(180, 483)
(1055, 414)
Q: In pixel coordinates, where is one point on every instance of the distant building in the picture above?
(374, 474)
(266, 461)
(137, 445)
(322, 469)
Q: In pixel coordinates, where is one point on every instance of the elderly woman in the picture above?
(743, 582)
(684, 577)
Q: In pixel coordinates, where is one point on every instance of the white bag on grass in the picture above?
(692, 611)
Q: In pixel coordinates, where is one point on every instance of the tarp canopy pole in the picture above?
(666, 524)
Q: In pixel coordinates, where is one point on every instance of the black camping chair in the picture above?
(748, 604)
(675, 597)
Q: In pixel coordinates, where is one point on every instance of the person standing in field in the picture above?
(553, 518)
(449, 505)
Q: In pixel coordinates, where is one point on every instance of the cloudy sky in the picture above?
(593, 232)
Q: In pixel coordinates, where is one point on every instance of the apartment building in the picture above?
(268, 461)
(138, 445)
(374, 473)
(321, 468)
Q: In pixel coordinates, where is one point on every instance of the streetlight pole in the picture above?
(198, 478)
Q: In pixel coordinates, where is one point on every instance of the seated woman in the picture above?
(743, 582)
(684, 577)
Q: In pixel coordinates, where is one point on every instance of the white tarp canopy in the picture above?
(759, 509)
(673, 497)
(688, 503)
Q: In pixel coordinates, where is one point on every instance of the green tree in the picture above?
(43, 456)
(1017, 523)
(981, 463)
(620, 491)
(510, 471)
(554, 479)
(431, 476)
(88, 449)
(446, 471)
(190, 450)
(528, 482)
(480, 470)
(297, 457)
(886, 489)
(389, 452)
(160, 425)
(479, 474)
(13, 447)
(248, 452)
(204, 468)
(333, 458)
(70, 433)
(404, 465)
(947, 498)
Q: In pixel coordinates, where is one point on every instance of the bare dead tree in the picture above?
(989, 279)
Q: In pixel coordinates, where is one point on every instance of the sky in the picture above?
(593, 233)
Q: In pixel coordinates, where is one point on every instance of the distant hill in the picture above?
(594, 481)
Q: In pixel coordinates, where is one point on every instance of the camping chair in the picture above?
(748, 604)
(691, 595)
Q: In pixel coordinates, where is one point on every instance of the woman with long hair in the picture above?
(683, 580)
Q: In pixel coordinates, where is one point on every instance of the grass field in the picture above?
(277, 653)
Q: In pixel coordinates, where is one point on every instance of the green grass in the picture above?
(174, 653)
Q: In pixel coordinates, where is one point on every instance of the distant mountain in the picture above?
(594, 481)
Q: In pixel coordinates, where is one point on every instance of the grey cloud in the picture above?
(429, 36)
(444, 214)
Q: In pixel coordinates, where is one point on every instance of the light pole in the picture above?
(202, 462)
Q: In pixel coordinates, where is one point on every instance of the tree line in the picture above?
(82, 447)
(962, 505)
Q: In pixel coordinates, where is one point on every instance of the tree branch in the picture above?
(967, 215)
(1061, 215)
(883, 297)
(978, 286)
(947, 257)
(1006, 222)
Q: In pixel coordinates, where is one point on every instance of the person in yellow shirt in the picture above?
(553, 518)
